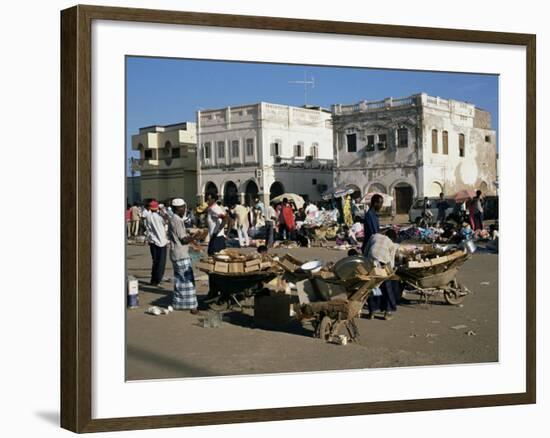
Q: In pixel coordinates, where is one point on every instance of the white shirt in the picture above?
(214, 219)
(311, 210)
(156, 229)
(357, 227)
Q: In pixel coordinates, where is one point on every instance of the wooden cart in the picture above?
(436, 277)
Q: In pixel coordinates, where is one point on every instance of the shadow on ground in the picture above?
(178, 367)
(244, 320)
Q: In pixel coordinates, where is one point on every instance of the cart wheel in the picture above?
(219, 305)
(325, 327)
(453, 294)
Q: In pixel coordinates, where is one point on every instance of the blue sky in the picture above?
(164, 91)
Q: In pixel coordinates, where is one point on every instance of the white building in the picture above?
(168, 159)
(264, 149)
(414, 146)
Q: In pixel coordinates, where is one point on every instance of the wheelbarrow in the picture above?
(226, 290)
(330, 317)
(436, 280)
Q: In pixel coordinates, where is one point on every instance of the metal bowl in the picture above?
(346, 268)
(313, 266)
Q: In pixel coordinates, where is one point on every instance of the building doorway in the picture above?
(210, 189)
(403, 198)
(276, 189)
(250, 193)
(230, 193)
(356, 191)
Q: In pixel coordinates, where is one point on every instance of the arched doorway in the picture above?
(403, 198)
(250, 193)
(356, 191)
(276, 189)
(435, 189)
(230, 193)
(376, 188)
(210, 189)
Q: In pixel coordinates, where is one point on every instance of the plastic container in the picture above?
(133, 292)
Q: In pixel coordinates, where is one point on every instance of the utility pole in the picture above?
(306, 83)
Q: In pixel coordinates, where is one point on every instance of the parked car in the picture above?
(417, 208)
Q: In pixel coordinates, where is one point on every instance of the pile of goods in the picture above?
(232, 262)
(427, 256)
(199, 233)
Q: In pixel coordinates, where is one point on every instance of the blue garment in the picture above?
(371, 225)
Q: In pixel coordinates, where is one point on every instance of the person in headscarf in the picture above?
(288, 222)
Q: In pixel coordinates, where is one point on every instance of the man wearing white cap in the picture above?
(185, 293)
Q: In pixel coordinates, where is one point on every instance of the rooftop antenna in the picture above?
(305, 82)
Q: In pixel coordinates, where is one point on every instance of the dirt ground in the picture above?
(175, 345)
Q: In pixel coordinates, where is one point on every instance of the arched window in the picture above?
(434, 141)
(461, 145)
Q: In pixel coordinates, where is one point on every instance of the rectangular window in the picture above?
(315, 150)
(434, 141)
(382, 141)
(221, 149)
(235, 148)
(148, 154)
(488, 139)
(299, 150)
(314, 181)
(352, 142)
(445, 143)
(403, 137)
(370, 142)
(207, 151)
(461, 145)
(249, 147)
(276, 149)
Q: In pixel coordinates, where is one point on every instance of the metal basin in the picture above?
(347, 267)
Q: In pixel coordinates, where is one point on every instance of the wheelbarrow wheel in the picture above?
(325, 328)
(452, 294)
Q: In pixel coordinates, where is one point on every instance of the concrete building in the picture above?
(264, 149)
(414, 146)
(168, 161)
(133, 189)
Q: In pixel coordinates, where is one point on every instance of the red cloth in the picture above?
(288, 217)
(471, 212)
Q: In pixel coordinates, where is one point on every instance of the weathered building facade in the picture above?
(264, 150)
(168, 160)
(414, 146)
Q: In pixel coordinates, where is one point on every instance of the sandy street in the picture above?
(175, 345)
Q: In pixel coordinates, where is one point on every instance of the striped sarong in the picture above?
(185, 294)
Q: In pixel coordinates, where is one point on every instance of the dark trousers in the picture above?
(158, 254)
(387, 302)
(478, 221)
(216, 244)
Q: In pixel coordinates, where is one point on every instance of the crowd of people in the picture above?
(166, 229)
(469, 211)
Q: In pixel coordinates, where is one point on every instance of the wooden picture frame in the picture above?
(76, 226)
